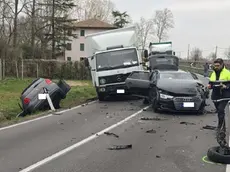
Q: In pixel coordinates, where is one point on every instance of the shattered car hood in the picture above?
(178, 86)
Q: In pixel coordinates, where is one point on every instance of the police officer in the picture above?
(222, 74)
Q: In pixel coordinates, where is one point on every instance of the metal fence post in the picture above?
(1, 77)
(22, 69)
(37, 70)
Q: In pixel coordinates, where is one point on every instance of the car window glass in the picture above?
(176, 76)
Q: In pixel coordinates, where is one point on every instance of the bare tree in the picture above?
(99, 9)
(212, 56)
(227, 53)
(163, 21)
(145, 32)
(196, 54)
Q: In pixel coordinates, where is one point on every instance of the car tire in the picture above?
(216, 157)
(154, 99)
(201, 111)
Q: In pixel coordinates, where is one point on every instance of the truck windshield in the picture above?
(116, 59)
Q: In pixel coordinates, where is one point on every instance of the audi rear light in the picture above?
(26, 100)
(48, 81)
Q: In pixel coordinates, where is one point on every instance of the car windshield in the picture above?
(116, 59)
(176, 76)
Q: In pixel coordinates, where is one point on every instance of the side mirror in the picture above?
(146, 53)
(174, 53)
(86, 62)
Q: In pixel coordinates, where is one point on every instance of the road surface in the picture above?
(171, 146)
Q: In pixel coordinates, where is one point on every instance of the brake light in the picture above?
(26, 100)
(48, 81)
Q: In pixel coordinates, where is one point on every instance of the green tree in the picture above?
(120, 19)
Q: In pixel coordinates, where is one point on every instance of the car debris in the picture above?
(151, 131)
(120, 147)
(188, 123)
(209, 127)
(157, 156)
(154, 119)
(111, 134)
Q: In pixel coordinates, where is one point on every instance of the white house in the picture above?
(75, 49)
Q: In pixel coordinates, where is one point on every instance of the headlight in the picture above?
(165, 96)
(102, 81)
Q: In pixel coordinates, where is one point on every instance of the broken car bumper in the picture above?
(113, 89)
(181, 104)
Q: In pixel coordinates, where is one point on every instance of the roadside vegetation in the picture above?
(11, 89)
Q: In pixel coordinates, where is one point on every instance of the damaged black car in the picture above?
(166, 87)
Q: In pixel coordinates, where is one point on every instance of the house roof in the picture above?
(94, 23)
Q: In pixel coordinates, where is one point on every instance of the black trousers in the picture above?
(220, 106)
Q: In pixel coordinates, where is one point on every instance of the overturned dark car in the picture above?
(168, 88)
(30, 95)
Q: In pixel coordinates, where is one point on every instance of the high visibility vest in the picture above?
(224, 75)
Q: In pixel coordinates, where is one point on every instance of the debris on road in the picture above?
(188, 123)
(60, 123)
(119, 147)
(151, 131)
(157, 156)
(154, 119)
(111, 134)
(209, 127)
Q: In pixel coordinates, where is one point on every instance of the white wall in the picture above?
(75, 53)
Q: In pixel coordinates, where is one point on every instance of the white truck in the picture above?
(112, 56)
(161, 48)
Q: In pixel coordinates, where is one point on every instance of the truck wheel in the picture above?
(101, 96)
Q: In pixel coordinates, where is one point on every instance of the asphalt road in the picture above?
(170, 147)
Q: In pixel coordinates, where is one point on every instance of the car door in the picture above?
(138, 83)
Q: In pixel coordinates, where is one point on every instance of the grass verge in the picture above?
(10, 91)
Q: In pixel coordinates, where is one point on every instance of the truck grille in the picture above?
(115, 78)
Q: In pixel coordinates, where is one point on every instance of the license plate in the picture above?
(120, 91)
(188, 104)
(41, 96)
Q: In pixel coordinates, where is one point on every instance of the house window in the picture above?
(82, 33)
(82, 47)
(69, 58)
(68, 46)
(69, 32)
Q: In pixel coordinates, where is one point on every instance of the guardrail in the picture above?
(194, 69)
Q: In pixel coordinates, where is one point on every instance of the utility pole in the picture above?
(188, 51)
(53, 30)
(216, 52)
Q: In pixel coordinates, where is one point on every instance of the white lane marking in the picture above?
(68, 149)
(43, 117)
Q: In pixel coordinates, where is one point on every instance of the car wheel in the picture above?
(201, 111)
(214, 155)
(153, 95)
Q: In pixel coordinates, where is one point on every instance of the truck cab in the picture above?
(113, 58)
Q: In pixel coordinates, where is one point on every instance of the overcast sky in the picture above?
(200, 23)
